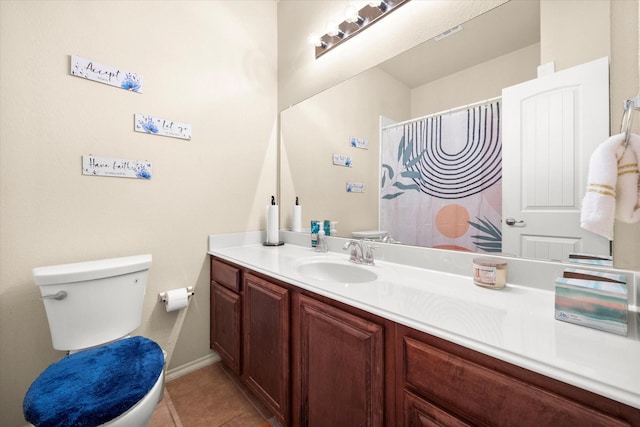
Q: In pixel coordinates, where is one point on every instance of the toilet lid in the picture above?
(94, 386)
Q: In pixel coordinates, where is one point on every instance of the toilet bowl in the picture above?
(369, 234)
(108, 378)
(141, 413)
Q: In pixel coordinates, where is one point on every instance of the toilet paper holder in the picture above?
(162, 296)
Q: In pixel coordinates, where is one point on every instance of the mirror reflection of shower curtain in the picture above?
(441, 180)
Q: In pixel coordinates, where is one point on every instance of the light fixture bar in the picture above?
(350, 27)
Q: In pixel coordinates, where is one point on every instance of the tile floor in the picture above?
(212, 397)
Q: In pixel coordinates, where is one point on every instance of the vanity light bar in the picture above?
(354, 23)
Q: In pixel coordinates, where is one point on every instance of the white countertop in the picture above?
(515, 324)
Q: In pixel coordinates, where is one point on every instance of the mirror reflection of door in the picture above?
(551, 126)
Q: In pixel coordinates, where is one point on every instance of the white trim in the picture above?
(192, 366)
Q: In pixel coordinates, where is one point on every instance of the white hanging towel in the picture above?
(612, 186)
(628, 186)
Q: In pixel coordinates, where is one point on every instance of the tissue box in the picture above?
(606, 261)
(574, 273)
(598, 304)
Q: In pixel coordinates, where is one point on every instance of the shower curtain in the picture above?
(441, 182)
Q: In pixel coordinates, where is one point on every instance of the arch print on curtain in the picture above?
(442, 180)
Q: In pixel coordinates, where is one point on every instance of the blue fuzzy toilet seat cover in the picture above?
(94, 386)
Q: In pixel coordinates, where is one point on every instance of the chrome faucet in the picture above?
(368, 255)
(356, 251)
(357, 255)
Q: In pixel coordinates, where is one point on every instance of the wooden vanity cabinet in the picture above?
(318, 362)
(266, 356)
(312, 360)
(441, 383)
(339, 377)
(226, 311)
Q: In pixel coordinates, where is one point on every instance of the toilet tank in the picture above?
(103, 300)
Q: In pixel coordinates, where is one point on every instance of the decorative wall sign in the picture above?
(120, 168)
(91, 70)
(342, 160)
(355, 187)
(162, 127)
(359, 143)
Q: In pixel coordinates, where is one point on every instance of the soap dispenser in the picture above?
(322, 242)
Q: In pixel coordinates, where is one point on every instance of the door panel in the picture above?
(551, 126)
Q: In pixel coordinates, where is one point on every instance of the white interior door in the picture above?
(551, 125)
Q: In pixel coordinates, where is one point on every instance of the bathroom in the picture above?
(228, 68)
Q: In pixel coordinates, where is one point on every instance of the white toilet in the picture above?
(108, 378)
(369, 234)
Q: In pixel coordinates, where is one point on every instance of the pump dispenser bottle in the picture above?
(322, 241)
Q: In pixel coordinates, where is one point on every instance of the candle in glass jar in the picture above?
(489, 273)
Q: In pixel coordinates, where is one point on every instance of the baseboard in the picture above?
(192, 366)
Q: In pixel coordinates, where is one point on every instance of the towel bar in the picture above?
(627, 117)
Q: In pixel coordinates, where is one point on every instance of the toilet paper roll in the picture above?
(296, 218)
(176, 299)
(272, 224)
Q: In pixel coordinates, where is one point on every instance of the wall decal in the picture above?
(359, 143)
(355, 187)
(342, 160)
(162, 127)
(119, 168)
(91, 70)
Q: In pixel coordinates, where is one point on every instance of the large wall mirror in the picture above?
(498, 49)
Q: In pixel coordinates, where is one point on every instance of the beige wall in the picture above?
(625, 83)
(571, 35)
(482, 81)
(211, 64)
(315, 129)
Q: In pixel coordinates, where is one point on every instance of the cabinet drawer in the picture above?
(486, 397)
(420, 413)
(225, 275)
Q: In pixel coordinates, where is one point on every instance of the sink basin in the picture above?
(332, 271)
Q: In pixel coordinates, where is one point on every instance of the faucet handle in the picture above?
(368, 256)
(354, 256)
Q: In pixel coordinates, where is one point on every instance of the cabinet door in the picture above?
(266, 343)
(339, 366)
(420, 413)
(225, 325)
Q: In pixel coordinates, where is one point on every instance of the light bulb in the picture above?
(333, 30)
(352, 16)
(316, 40)
(313, 39)
(380, 4)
